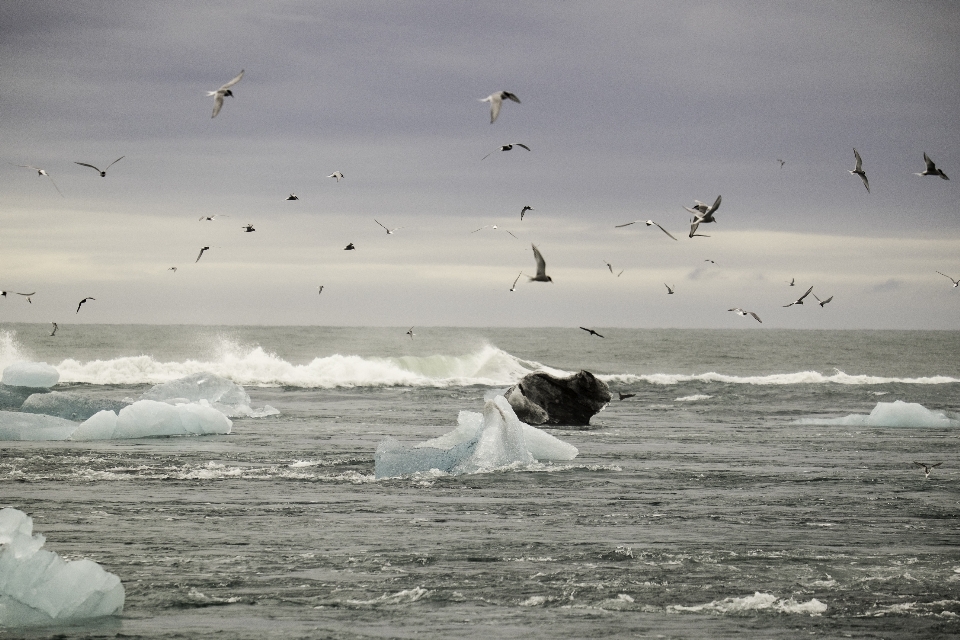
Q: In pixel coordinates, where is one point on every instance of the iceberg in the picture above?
(13, 397)
(225, 396)
(892, 414)
(31, 426)
(38, 375)
(150, 418)
(71, 406)
(480, 443)
(38, 587)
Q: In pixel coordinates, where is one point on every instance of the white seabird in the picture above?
(389, 231)
(337, 175)
(858, 170)
(411, 333)
(103, 172)
(800, 299)
(927, 468)
(541, 267)
(495, 100)
(174, 269)
(741, 312)
(41, 172)
(219, 94)
(292, 196)
(956, 283)
(515, 281)
(823, 302)
(649, 223)
(507, 147)
(492, 226)
(213, 217)
(55, 327)
(931, 169)
(702, 214)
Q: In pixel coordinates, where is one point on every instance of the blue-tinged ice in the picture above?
(37, 375)
(72, 406)
(209, 389)
(31, 426)
(480, 443)
(149, 418)
(38, 587)
(893, 414)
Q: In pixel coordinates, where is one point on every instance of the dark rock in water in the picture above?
(71, 406)
(12, 398)
(544, 399)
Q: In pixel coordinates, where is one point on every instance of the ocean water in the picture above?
(698, 508)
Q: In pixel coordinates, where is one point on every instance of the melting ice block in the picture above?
(149, 418)
(892, 414)
(480, 443)
(38, 375)
(30, 426)
(38, 587)
(225, 396)
(71, 406)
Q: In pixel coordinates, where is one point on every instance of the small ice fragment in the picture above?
(38, 587)
(892, 414)
(31, 426)
(37, 375)
(224, 395)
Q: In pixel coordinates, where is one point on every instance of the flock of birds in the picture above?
(701, 212)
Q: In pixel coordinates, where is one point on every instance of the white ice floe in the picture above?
(209, 389)
(72, 406)
(38, 587)
(33, 426)
(38, 375)
(480, 443)
(892, 414)
(757, 602)
(149, 418)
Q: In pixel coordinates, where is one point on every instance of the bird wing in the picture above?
(667, 286)
(805, 294)
(756, 317)
(56, 187)
(541, 264)
(510, 96)
(662, 229)
(934, 466)
(81, 302)
(495, 102)
(84, 164)
(693, 228)
(866, 183)
(714, 206)
(199, 255)
(115, 162)
(520, 144)
(826, 301)
(609, 266)
(27, 294)
(511, 233)
(231, 83)
(217, 103)
(859, 161)
(930, 165)
(625, 225)
(381, 224)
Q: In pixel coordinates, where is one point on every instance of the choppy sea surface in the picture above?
(698, 508)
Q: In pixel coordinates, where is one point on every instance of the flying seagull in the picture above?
(823, 302)
(219, 94)
(27, 296)
(782, 162)
(591, 332)
(103, 172)
(337, 175)
(411, 333)
(858, 171)
(931, 169)
(702, 214)
(624, 396)
(349, 247)
(292, 196)
(800, 299)
(320, 290)
(741, 312)
(927, 468)
(541, 267)
(82, 301)
(649, 223)
(792, 281)
(247, 228)
(507, 147)
(41, 172)
(491, 226)
(213, 217)
(669, 288)
(524, 210)
(174, 269)
(495, 100)
(200, 255)
(515, 281)
(609, 266)
(55, 327)
(389, 231)
(710, 261)
(956, 283)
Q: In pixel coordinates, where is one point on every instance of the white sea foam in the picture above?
(892, 414)
(800, 377)
(757, 602)
(693, 398)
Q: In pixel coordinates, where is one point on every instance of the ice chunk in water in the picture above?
(892, 414)
(38, 375)
(225, 396)
(38, 587)
(149, 418)
(479, 443)
(13, 397)
(71, 406)
(30, 426)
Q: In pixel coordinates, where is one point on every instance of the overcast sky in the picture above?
(632, 110)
